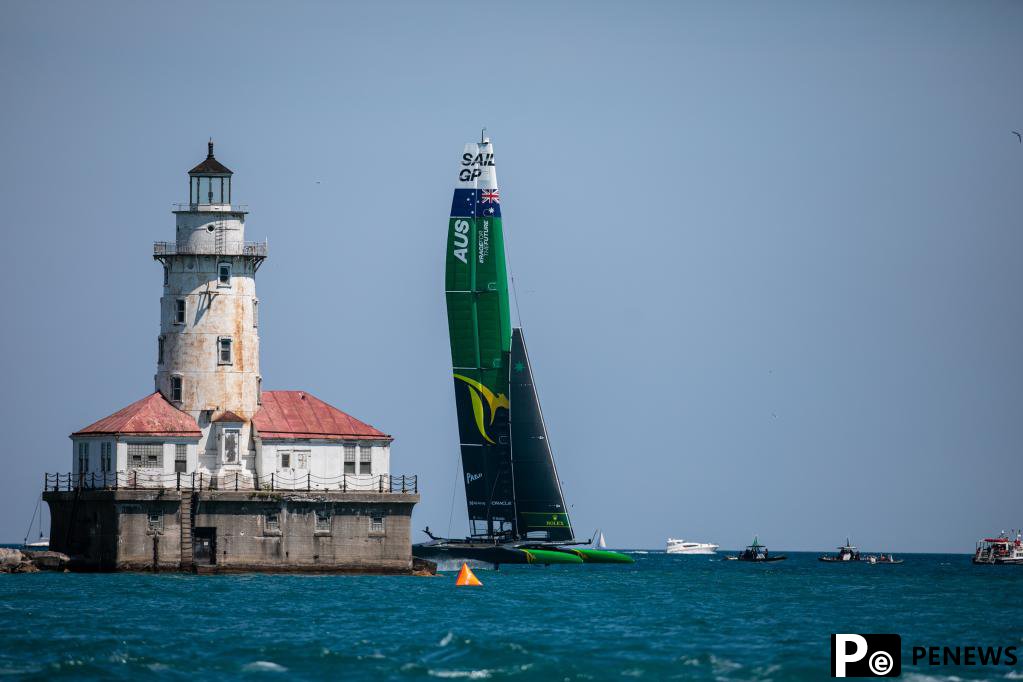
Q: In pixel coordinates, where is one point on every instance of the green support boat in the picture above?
(516, 508)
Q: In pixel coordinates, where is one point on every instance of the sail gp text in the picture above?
(474, 166)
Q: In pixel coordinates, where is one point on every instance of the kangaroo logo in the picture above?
(476, 390)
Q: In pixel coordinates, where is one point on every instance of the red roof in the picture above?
(229, 416)
(151, 416)
(287, 415)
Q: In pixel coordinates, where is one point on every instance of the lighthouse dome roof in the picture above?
(210, 166)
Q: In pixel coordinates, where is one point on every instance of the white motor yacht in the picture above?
(686, 547)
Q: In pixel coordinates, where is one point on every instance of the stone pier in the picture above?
(212, 531)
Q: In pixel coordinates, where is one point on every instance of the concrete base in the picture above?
(160, 529)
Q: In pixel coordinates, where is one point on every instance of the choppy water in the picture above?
(665, 617)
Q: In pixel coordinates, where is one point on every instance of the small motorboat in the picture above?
(883, 559)
(686, 547)
(757, 553)
(845, 553)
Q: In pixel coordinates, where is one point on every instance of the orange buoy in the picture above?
(467, 577)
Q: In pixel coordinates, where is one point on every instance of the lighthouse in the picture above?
(209, 472)
(208, 346)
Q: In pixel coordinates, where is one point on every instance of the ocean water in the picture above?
(666, 617)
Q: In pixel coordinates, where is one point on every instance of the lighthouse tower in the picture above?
(208, 347)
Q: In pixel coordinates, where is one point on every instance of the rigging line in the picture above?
(33, 520)
(454, 489)
(515, 293)
(511, 275)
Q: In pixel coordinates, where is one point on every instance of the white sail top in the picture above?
(476, 168)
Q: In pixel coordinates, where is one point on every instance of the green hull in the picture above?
(602, 556)
(546, 556)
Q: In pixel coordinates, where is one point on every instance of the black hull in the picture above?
(461, 551)
(759, 561)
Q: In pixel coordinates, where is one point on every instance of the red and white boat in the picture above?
(1000, 550)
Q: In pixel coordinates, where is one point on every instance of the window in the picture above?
(349, 459)
(159, 350)
(83, 458)
(180, 458)
(106, 457)
(284, 459)
(224, 350)
(145, 455)
(231, 438)
(155, 521)
(175, 389)
(255, 312)
(272, 521)
(322, 519)
(376, 524)
(166, 274)
(366, 459)
(224, 275)
(259, 390)
(179, 311)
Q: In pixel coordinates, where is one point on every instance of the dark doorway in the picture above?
(205, 545)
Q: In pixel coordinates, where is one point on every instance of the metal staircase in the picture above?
(187, 523)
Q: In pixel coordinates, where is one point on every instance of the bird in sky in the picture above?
(1018, 136)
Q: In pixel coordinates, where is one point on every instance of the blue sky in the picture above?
(768, 256)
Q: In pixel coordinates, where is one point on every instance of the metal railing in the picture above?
(207, 208)
(140, 479)
(258, 249)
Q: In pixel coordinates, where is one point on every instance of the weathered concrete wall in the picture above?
(87, 529)
(112, 530)
(245, 540)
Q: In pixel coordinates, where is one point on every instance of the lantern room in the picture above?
(209, 183)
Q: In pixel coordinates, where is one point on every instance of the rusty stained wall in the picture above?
(212, 311)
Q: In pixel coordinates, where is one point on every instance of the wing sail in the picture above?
(479, 325)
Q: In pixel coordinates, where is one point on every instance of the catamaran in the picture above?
(517, 512)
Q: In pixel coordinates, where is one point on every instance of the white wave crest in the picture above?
(456, 674)
(264, 667)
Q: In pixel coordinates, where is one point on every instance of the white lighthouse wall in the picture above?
(198, 231)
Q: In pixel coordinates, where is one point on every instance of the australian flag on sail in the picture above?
(473, 203)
